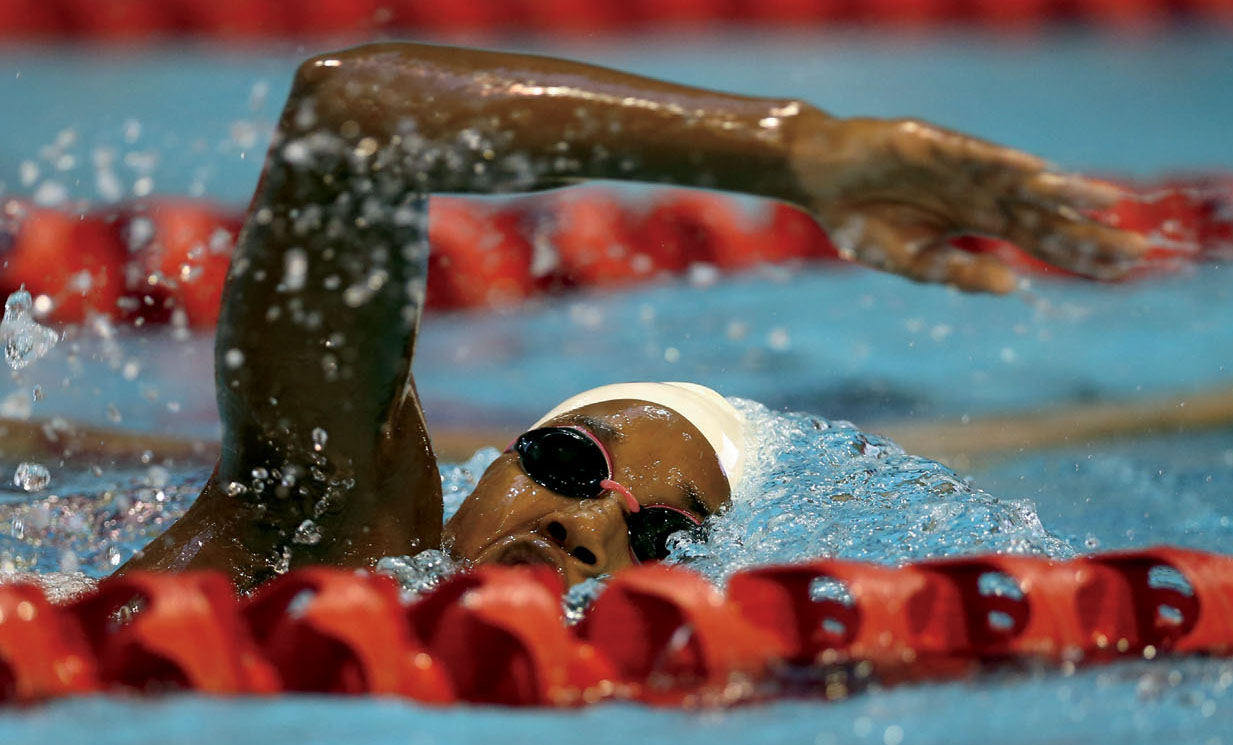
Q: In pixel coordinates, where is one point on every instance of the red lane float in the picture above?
(481, 256)
(337, 631)
(43, 653)
(186, 633)
(597, 243)
(138, 19)
(76, 260)
(181, 250)
(502, 636)
(671, 638)
(657, 634)
(164, 259)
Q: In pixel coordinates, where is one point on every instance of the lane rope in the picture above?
(132, 21)
(164, 260)
(657, 634)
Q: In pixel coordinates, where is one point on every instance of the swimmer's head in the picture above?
(601, 480)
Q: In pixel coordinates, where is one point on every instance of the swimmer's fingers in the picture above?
(1046, 214)
(974, 171)
(933, 183)
(895, 239)
(1066, 239)
(1050, 188)
(922, 144)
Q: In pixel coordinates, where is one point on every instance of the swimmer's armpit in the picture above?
(893, 192)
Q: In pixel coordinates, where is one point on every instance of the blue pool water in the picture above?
(840, 343)
(1133, 703)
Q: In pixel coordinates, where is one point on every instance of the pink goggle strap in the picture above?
(626, 495)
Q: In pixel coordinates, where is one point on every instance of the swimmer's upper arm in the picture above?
(480, 121)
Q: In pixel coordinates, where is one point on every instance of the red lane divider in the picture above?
(165, 259)
(131, 20)
(185, 632)
(502, 637)
(657, 634)
(337, 631)
(670, 636)
(43, 652)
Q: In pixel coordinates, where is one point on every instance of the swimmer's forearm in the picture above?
(474, 121)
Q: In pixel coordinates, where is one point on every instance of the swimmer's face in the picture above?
(660, 457)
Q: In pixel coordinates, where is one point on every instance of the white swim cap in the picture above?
(718, 421)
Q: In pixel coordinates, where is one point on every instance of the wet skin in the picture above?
(325, 456)
(656, 454)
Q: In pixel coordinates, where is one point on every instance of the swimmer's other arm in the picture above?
(889, 191)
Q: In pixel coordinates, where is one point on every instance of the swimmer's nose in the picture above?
(585, 532)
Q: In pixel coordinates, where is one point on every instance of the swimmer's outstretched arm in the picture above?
(890, 191)
(325, 458)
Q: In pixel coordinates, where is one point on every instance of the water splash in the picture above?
(24, 339)
(31, 476)
(458, 481)
(102, 518)
(816, 488)
(421, 573)
(578, 599)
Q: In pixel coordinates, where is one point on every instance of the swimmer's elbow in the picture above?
(358, 84)
(315, 73)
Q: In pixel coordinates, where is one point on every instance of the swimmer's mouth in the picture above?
(523, 551)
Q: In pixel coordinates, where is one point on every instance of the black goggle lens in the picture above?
(563, 460)
(650, 528)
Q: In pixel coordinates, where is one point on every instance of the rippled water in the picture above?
(825, 488)
(813, 488)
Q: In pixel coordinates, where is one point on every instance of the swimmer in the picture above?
(325, 456)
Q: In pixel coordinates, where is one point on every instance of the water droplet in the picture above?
(31, 476)
(235, 488)
(24, 339)
(320, 437)
(308, 534)
(157, 476)
(778, 339)
(295, 269)
(69, 561)
(233, 358)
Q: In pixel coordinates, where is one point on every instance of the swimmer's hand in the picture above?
(892, 192)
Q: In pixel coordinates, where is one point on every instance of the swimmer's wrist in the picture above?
(824, 151)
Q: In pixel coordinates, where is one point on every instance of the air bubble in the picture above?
(320, 437)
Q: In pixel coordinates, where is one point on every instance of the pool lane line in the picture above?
(961, 444)
(953, 442)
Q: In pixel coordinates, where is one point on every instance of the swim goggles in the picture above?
(574, 463)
